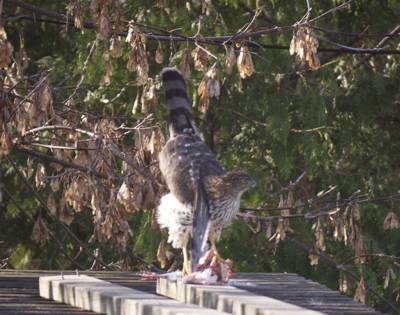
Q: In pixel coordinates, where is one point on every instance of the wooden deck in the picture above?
(249, 293)
(104, 297)
(265, 293)
(19, 291)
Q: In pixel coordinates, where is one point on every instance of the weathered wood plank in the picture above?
(262, 293)
(104, 297)
(19, 293)
(228, 299)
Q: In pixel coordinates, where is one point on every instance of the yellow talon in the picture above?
(186, 262)
(216, 257)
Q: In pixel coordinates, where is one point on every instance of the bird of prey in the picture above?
(203, 198)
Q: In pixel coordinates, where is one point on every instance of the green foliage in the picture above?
(22, 257)
(339, 124)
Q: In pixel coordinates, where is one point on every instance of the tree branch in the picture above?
(213, 40)
(44, 205)
(52, 159)
(58, 127)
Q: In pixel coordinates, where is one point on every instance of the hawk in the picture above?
(203, 198)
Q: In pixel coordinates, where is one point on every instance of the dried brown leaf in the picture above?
(40, 177)
(268, 231)
(130, 197)
(391, 221)
(343, 284)
(304, 45)
(21, 62)
(104, 24)
(149, 99)
(230, 58)
(6, 49)
(40, 232)
(200, 57)
(361, 292)
(314, 258)
(138, 57)
(209, 87)
(115, 47)
(77, 194)
(95, 8)
(155, 144)
(65, 215)
(245, 62)
(149, 199)
(340, 231)
(360, 249)
(138, 197)
(131, 64)
(29, 165)
(119, 20)
(106, 79)
(136, 105)
(319, 236)
(43, 98)
(51, 204)
(75, 9)
(5, 143)
(186, 65)
(159, 54)
(55, 184)
(124, 195)
(389, 276)
(206, 7)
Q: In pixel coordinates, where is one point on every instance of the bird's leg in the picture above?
(214, 248)
(186, 262)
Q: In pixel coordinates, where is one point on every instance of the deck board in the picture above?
(248, 287)
(19, 291)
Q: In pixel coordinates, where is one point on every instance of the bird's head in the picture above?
(239, 180)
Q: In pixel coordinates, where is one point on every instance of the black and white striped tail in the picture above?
(180, 118)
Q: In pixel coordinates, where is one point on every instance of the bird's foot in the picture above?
(186, 268)
(212, 270)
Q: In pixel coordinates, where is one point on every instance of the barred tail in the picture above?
(177, 100)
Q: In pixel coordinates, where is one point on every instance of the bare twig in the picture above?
(206, 50)
(83, 71)
(294, 130)
(52, 159)
(44, 205)
(330, 204)
(329, 210)
(37, 86)
(330, 11)
(244, 29)
(51, 146)
(52, 235)
(379, 255)
(213, 40)
(243, 116)
(340, 267)
(59, 127)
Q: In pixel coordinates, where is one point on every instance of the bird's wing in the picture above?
(201, 223)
